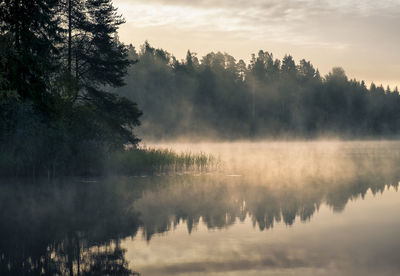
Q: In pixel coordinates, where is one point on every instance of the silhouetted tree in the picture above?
(58, 60)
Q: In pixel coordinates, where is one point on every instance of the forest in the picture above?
(56, 59)
(72, 94)
(218, 97)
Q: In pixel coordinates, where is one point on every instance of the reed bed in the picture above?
(160, 161)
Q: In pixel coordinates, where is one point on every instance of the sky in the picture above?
(362, 36)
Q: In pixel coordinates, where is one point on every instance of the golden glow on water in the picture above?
(295, 161)
(301, 208)
(329, 244)
(295, 208)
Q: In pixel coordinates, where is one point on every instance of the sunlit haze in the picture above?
(199, 137)
(359, 35)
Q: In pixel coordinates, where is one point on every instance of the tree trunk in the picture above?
(70, 37)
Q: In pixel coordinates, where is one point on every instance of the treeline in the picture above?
(219, 97)
(57, 57)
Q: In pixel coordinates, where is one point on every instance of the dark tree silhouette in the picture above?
(58, 60)
(218, 97)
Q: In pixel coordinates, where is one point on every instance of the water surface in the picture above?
(299, 208)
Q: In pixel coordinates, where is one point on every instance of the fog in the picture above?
(219, 98)
(264, 207)
(122, 159)
(295, 160)
(309, 208)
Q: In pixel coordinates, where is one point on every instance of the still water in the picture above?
(295, 208)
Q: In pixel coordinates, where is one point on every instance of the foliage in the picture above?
(57, 59)
(219, 97)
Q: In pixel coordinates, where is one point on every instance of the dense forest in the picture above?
(219, 97)
(64, 108)
(57, 57)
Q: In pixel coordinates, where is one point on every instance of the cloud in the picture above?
(279, 7)
(358, 34)
(300, 22)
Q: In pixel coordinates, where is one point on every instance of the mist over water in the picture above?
(274, 160)
(80, 196)
(276, 208)
(266, 208)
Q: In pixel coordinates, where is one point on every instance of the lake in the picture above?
(263, 208)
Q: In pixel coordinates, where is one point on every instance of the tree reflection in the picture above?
(75, 228)
(65, 229)
(219, 201)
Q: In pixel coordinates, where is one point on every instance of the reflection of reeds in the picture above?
(154, 161)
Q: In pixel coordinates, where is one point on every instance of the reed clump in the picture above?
(160, 161)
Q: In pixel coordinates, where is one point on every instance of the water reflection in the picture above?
(67, 228)
(219, 202)
(74, 227)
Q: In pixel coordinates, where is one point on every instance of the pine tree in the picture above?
(104, 63)
(30, 28)
(56, 59)
(102, 60)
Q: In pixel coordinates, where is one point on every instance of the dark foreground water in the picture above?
(269, 209)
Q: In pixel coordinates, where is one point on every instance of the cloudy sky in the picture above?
(362, 36)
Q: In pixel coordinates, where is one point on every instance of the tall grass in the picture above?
(158, 161)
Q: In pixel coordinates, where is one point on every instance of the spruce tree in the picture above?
(100, 58)
(30, 29)
(102, 63)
